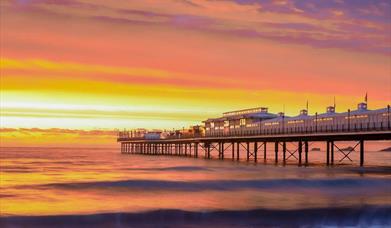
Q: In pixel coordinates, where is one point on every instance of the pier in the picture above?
(255, 146)
(255, 130)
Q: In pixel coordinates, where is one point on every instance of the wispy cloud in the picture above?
(317, 23)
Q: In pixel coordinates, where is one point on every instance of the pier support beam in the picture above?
(284, 152)
(248, 150)
(196, 150)
(233, 151)
(237, 150)
(255, 151)
(208, 151)
(328, 153)
(219, 149)
(361, 152)
(300, 151)
(222, 151)
(332, 152)
(306, 152)
(264, 152)
(276, 152)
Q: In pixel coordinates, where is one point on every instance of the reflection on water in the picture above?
(61, 181)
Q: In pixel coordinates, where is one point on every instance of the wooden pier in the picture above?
(255, 146)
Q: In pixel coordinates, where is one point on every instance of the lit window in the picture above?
(356, 117)
(226, 123)
(323, 119)
(242, 122)
(295, 121)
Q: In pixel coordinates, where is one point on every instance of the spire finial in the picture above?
(306, 106)
(366, 97)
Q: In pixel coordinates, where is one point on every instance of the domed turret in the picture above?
(362, 106)
(330, 109)
(303, 112)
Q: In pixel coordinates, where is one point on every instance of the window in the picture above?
(272, 123)
(226, 123)
(356, 117)
(295, 121)
(242, 122)
(323, 119)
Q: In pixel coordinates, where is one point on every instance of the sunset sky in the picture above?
(75, 69)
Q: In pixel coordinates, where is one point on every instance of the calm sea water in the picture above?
(46, 187)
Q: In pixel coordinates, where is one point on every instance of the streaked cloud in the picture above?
(56, 137)
(83, 64)
(267, 19)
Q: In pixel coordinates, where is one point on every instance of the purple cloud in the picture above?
(360, 25)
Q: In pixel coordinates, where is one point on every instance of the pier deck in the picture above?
(254, 144)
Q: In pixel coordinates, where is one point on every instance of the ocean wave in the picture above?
(353, 184)
(174, 168)
(364, 216)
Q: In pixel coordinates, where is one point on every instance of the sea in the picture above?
(100, 187)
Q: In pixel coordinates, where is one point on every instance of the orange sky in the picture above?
(87, 65)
